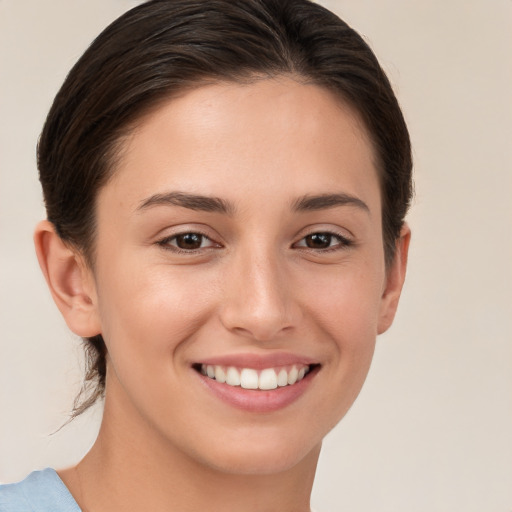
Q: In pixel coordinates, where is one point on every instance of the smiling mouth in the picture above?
(250, 378)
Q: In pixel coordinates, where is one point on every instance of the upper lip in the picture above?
(258, 361)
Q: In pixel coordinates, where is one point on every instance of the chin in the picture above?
(265, 455)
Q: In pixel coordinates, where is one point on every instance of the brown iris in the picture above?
(189, 241)
(318, 240)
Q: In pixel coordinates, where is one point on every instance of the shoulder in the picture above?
(41, 491)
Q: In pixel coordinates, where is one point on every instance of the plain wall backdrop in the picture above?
(432, 428)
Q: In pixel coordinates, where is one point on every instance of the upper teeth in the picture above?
(248, 378)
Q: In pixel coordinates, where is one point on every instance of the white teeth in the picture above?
(292, 375)
(219, 374)
(268, 379)
(232, 377)
(282, 378)
(248, 378)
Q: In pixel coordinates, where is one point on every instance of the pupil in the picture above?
(318, 240)
(189, 241)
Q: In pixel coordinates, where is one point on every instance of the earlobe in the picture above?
(69, 280)
(394, 281)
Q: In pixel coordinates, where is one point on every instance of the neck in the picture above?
(130, 469)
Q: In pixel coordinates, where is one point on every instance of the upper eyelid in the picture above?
(325, 227)
(344, 234)
(174, 231)
(344, 240)
(185, 232)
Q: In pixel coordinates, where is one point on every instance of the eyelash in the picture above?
(343, 242)
(165, 243)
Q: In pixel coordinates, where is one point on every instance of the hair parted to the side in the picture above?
(164, 47)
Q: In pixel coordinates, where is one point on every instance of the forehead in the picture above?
(225, 138)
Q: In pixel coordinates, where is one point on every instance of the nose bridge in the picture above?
(258, 302)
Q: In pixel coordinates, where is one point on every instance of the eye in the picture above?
(187, 242)
(323, 241)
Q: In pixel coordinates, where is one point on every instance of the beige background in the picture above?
(432, 429)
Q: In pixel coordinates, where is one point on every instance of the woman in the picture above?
(226, 186)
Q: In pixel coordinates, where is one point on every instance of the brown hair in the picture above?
(163, 47)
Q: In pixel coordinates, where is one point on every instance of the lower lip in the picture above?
(254, 400)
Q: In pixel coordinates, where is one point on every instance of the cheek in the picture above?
(347, 315)
(347, 301)
(147, 311)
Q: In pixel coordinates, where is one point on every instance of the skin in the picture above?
(253, 287)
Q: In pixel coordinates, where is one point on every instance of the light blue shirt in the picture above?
(41, 491)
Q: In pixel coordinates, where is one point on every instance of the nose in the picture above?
(258, 301)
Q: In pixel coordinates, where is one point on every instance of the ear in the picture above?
(69, 279)
(394, 281)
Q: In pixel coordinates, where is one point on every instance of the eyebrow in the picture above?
(191, 201)
(326, 201)
(218, 205)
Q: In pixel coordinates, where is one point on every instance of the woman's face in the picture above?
(241, 237)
